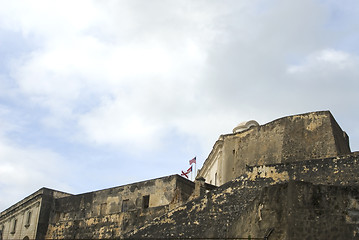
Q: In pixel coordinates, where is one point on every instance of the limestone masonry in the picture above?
(292, 178)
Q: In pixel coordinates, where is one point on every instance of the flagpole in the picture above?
(195, 171)
(191, 175)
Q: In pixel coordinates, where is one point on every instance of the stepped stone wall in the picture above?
(314, 199)
(208, 216)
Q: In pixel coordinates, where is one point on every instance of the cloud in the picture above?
(26, 169)
(74, 71)
(327, 71)
(133, 78)
(330, 76)
(324, 61)
(128, 72)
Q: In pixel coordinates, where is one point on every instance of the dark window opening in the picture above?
(103, 208)
(146, 201)
(13, 226)
(28, 219)
(125, 205)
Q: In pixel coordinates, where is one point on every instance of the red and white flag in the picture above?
(192, 161)
(185, 174)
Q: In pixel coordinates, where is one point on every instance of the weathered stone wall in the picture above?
(111, 212)
(341, 138)
(267, 215)
(293, 178)
(184, 190)
(322, 212)
(214, 165)
(31, 216)
(292, 210)
(47, 201)
(301, 210)
(294, 138)
(22, 229)
(342, 170)
(208, 216)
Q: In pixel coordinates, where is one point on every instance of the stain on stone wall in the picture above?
(208, 216)
(111, 212)
(291, 210)
(322, 212)
(341, 170)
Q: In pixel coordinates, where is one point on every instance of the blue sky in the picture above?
(95, 94)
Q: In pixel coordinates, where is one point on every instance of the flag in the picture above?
(192, 161)
(184, 174)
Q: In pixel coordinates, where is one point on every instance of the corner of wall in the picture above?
(341, 138)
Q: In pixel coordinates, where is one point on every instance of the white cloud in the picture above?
(115, 124)
(143, 68)
(148, 77)
(135, 74)
(154, 64)
(48, 20)
(24, 170)
(327, 60)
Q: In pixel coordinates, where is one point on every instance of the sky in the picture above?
(96, 94)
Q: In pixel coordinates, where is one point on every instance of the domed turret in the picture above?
(244, 126)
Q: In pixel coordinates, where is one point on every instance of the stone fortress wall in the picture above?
(29, 217)
(110, 212)
(292, 178)
(310, 199)
(293, 138)
(292, 210)
(304, 185)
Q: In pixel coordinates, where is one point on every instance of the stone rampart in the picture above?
(291, 210)
(293, 138)
(111, 212)
(342, 170)
(315, 199)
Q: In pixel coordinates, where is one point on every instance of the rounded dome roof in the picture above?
(245, 125)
